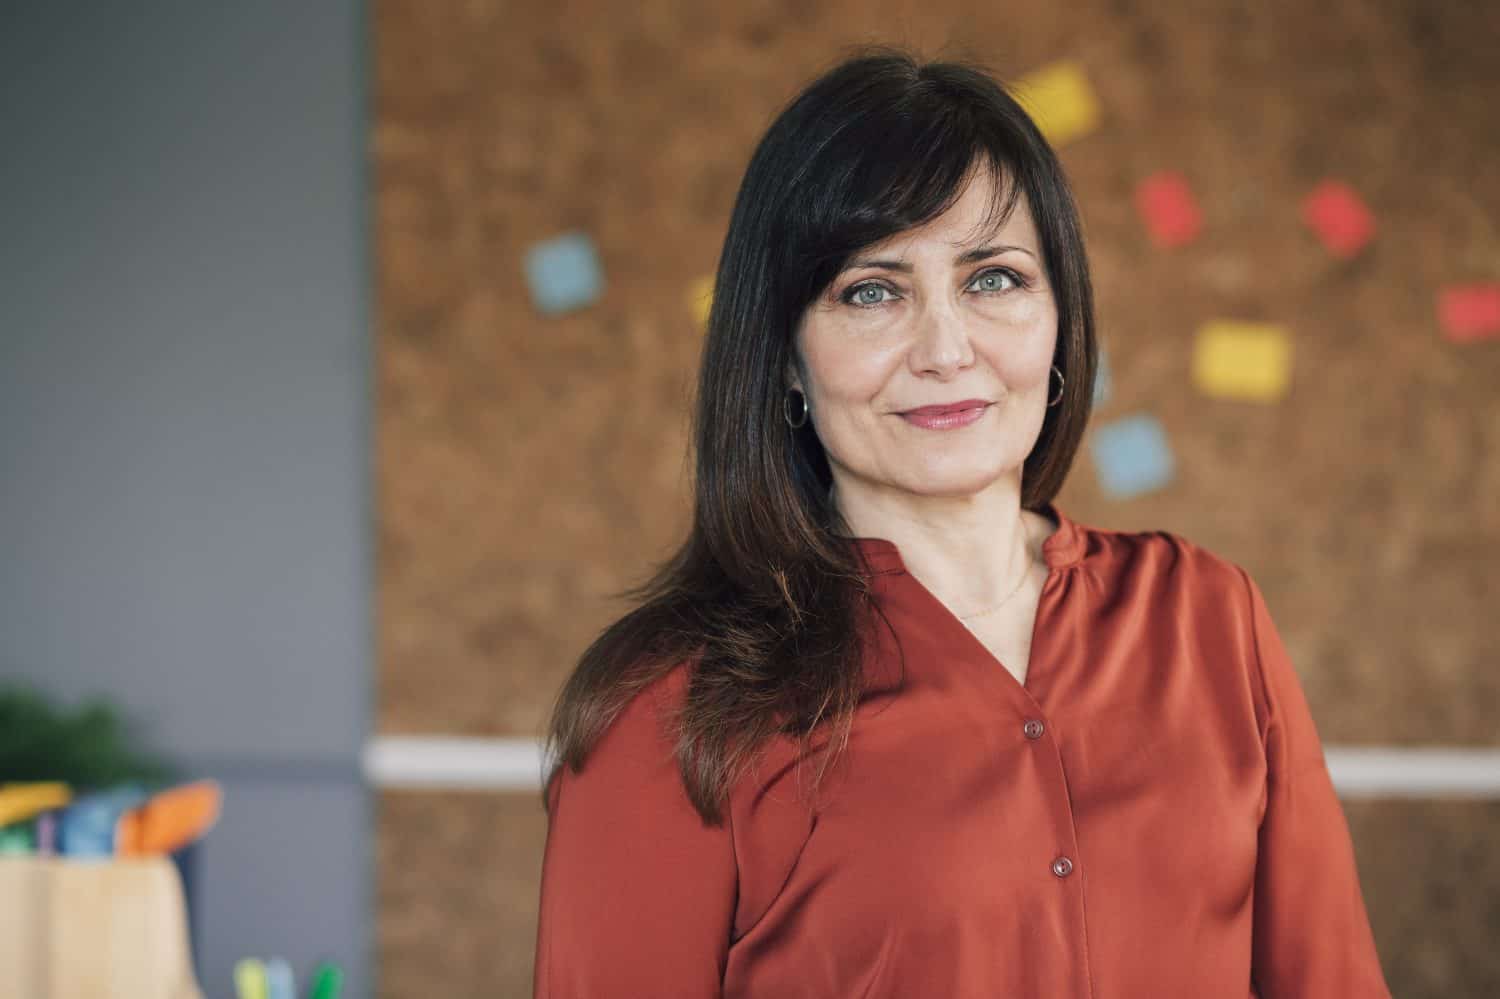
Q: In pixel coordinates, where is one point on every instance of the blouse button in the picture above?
(1062, 867)
(1033, 729)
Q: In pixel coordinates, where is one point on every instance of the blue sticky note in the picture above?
(1101, 380)
(1132, 456)
(564, 273)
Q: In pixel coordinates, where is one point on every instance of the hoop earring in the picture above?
(1060, 384)
(786, 411)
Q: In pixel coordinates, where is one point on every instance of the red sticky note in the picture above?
(1470, 312)
(1167, 205)
(1339, 218)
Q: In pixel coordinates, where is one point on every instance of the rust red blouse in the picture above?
(1150, 814)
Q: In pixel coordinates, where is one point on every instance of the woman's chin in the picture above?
(932, 472)
(951, 479)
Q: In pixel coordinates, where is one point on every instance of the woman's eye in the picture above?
(994, 280)
(868, 294)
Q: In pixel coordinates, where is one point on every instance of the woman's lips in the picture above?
(949, 417)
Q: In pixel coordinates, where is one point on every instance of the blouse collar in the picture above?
(1063, 548)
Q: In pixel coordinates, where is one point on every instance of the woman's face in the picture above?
(939, 315)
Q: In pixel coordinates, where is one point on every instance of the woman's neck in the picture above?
(971, 551)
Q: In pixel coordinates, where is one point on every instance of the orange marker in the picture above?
(169, 820)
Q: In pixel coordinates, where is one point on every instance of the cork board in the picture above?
(527, 466)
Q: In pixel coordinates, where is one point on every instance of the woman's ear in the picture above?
(791, 377)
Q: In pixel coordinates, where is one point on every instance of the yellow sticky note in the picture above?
(701, 298)
(1239, 360)
(1060, 100)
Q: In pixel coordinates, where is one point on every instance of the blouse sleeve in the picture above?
(637, 892)
(1312, 935)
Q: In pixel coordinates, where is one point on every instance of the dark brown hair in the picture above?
(764, 598)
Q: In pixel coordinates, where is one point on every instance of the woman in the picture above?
(890, 723)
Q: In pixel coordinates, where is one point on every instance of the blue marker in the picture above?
(86, 828)
(280, 983)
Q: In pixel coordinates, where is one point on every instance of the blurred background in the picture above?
(346, 352)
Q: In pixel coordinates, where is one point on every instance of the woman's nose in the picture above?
(941, 345)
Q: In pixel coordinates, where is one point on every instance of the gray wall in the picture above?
(185, 502)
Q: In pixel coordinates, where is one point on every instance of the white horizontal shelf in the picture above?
(439, 762)
(444, 763)
(1414, 772)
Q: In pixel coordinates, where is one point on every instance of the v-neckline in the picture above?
(991, 661)
(1062, 549)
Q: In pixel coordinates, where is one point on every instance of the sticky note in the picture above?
(1237, 360)
(1131, 456)
(1060, 100)
(1101, 379)
(1339, 218)
(564, 273)
(1469, 312)
(701, 298)
(1171, 212)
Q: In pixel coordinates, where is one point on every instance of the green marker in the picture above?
(17, 839)
(328, 981)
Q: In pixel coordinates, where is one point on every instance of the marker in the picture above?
(17, 840)
(19, 802)
(86, 828)
(250, 979)
(328, 981)
(169, 820)
(280, 983)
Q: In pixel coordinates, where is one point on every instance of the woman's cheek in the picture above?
(1019, 311)
(854, 368)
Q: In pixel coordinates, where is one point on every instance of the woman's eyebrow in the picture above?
(967, 257)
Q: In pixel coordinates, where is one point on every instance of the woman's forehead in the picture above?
(976, 218)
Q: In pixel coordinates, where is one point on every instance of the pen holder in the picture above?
(83, 928)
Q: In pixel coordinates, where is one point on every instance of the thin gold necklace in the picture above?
(1013, 592)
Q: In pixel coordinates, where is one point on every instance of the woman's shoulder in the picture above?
(1168, 556)
(632, 738)
(641, 726)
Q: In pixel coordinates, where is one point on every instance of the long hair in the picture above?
(765, 598)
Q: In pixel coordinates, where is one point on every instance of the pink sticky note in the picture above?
(1171, 212)
(1339, 218)
(1470, 312)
